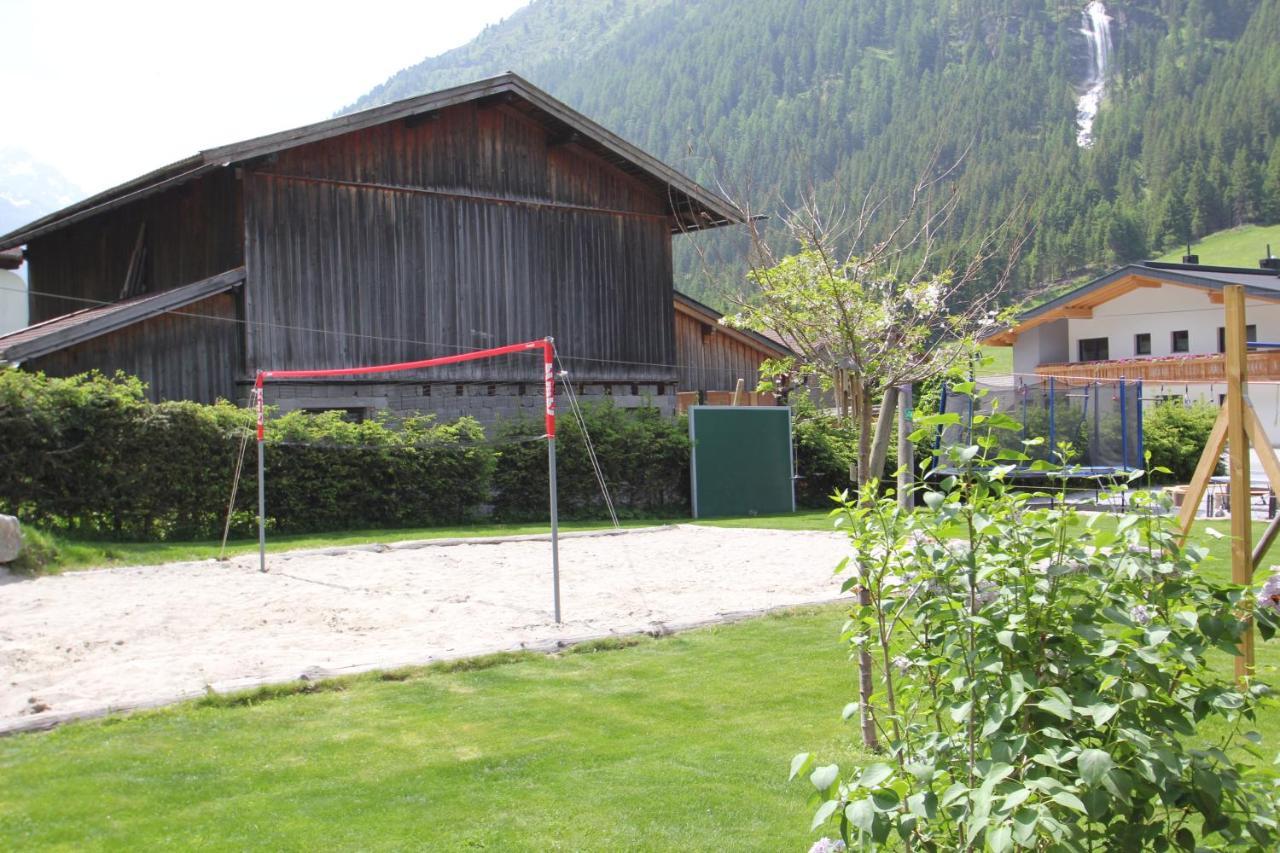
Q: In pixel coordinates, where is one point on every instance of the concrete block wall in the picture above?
(487, 403)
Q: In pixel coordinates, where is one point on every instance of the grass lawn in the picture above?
(998, 362)
(673, 744)
(1235, 247)
(676, 743)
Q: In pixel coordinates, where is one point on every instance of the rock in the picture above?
(10, 539)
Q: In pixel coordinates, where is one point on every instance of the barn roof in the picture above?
(694, 207)
(765, 343)
(80, 326)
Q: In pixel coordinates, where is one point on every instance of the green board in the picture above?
(741, 462)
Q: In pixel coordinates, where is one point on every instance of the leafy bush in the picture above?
(824, 450)
(326, 473)
(644, 456)
(90, 456)
(1176, 436)
(1040, 678)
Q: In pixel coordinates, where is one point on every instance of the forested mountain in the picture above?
(769, 98)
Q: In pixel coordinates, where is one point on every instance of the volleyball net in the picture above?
(547, 347)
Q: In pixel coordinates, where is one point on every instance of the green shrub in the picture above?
(1176, 436)
(824, 450)
(89, 456)
(644, 456)
(1040, 681)
(326, 473)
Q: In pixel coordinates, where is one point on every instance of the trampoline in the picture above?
(1101, 419)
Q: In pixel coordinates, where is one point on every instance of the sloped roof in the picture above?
(767, 343)
(86, 324)
(1258, 283)
(694, 206)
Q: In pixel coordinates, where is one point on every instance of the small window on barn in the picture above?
(635, 390)
(353, 414)
(1142, 343)
(1250, 336)
(426, 390)
(1180, 341)
(608, 390)
(662, 389)
(520, 390)
(1094, 349)
(459, 390)
(492, 390)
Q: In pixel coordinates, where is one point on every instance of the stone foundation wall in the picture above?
(486, 403)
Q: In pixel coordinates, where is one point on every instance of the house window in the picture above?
(1142, 343)
(1094, 349)
(1250, 336)
(1180, 341)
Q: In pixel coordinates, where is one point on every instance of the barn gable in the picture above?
(461, 219)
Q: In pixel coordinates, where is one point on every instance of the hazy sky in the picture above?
(105, 91)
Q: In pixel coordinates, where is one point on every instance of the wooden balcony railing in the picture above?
(1263, 364)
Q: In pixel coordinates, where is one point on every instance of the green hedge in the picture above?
(90, 456)
(644, 456)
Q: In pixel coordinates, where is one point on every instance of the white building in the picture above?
(13, 293)
(1159, 323)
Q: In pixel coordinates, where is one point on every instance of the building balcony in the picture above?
(1191, 368)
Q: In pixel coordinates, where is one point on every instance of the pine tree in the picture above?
(1244, 190)
(1270, 207)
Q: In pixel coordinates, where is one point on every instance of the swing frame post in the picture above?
(1236, 427)
(1238, 463)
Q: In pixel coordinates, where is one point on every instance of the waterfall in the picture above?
(1097, 31)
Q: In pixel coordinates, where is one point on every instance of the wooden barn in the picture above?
(477, 216)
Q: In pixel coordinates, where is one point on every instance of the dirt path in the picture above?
(86, 642)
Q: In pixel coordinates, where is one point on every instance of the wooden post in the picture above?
(1204, 471)
(737, 390)
(1238, 461)
(907, 450)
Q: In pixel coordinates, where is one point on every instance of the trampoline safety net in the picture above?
(1100, 419)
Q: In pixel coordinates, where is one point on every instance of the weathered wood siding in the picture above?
(193, 231)
(194, 353)
(710, 359)
(470, 229)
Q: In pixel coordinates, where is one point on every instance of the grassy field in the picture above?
(676, 743)
(1236, 247)
(673, 744)
(997, 361)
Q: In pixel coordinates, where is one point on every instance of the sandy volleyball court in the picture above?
(86, 642)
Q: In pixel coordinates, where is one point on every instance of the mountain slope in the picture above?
(770, 98)
(29, 189)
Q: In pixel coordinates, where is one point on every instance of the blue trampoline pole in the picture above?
(972, 391)
(942, 410)
(1052, 419)
(1142, 451)
(1124, 425)
(1024, 415)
